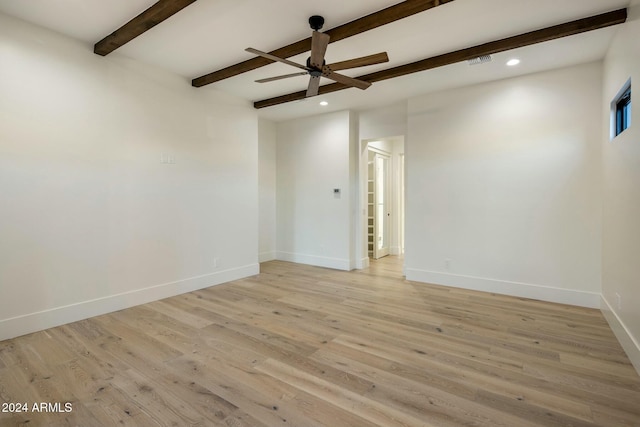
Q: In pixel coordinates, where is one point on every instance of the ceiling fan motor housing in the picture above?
(315, 71)
(316, 22)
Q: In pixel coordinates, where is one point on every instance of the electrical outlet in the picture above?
(215, 262)
(167, 158)
(447, 264)
(618, 301)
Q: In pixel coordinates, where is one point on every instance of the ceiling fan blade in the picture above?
(346, 80)
(314, 85)
(285, 76)
(319, 42)
(275, 58)
(377, 58)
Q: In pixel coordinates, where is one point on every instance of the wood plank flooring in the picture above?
(305, 346)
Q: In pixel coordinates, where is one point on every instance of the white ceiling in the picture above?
(212, 34)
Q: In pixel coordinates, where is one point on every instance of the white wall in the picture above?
(314, 226)
(91, 221)
(354, 193)
(383, 122)
(621, 204)
(267, 189)
(503, 186)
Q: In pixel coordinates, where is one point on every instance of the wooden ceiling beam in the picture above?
(148, 19)
(385, 16)
(546, 34)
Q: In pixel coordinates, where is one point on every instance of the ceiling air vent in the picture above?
(480, 60)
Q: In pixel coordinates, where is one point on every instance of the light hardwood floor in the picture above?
(306, 346)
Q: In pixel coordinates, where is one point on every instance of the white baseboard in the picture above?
(33, 322)
(524, 290)
(365, 263)
(318, 261)
(266, 256)
(628, 343)
(361, 264)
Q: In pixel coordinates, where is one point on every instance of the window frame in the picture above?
(621, 110)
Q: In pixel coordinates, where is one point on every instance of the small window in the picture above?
(621, 110)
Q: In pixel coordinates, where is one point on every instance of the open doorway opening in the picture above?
(383, 184)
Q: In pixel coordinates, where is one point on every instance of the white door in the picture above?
(382, 203)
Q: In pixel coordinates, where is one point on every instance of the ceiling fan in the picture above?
(316, 66)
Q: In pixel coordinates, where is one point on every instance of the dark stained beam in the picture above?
(369, 22)
(148, 19)
(527, 39)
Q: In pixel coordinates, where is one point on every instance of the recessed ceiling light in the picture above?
(513, 62)
(324, 103)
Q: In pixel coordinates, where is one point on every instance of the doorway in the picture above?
(382, 166)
